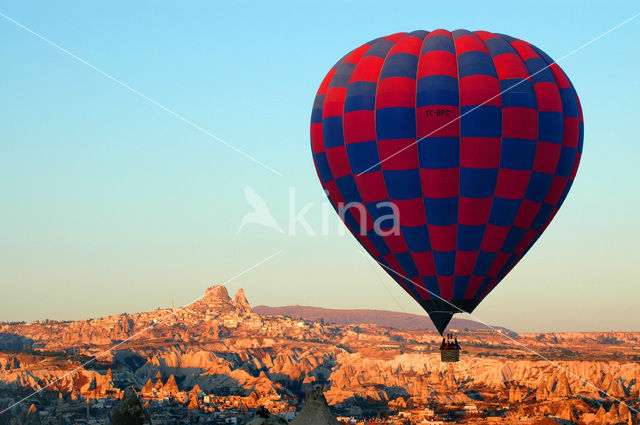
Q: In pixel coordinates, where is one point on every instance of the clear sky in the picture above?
(109, 203)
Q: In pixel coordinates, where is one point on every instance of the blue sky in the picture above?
(111, 204)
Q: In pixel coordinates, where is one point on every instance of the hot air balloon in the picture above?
(469, 141)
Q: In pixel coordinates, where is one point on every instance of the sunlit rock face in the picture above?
(240, 302)
(215, 299)
(219, 346)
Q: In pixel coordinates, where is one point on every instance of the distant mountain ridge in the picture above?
(383, 318)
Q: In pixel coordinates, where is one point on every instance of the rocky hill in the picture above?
(240, 359)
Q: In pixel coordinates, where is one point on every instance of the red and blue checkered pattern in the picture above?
(475, 138)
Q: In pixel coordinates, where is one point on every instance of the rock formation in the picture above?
(129, 411)
(516, 394)
(148, 388)
(600, 415)
(625, 414)
(562, 387)
(195, 390)
(566, 413)
(12, 363)
(616, 389)
(216, 300)
(194, 403)
(171, 387)
(32, 416)
(315, 411)
(264, 417)
(542, 392)
(612, 416)
(240, 302)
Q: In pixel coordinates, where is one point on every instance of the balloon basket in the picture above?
(450, 349)
(450, 355)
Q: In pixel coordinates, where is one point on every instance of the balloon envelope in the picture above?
(446, 154)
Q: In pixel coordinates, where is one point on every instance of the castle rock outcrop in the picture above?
(240, 302)
(215, 300)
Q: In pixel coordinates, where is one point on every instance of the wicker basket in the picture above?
(449, 355)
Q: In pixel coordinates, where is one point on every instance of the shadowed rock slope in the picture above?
(264, 417)
(129, 411)
(315, 411)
